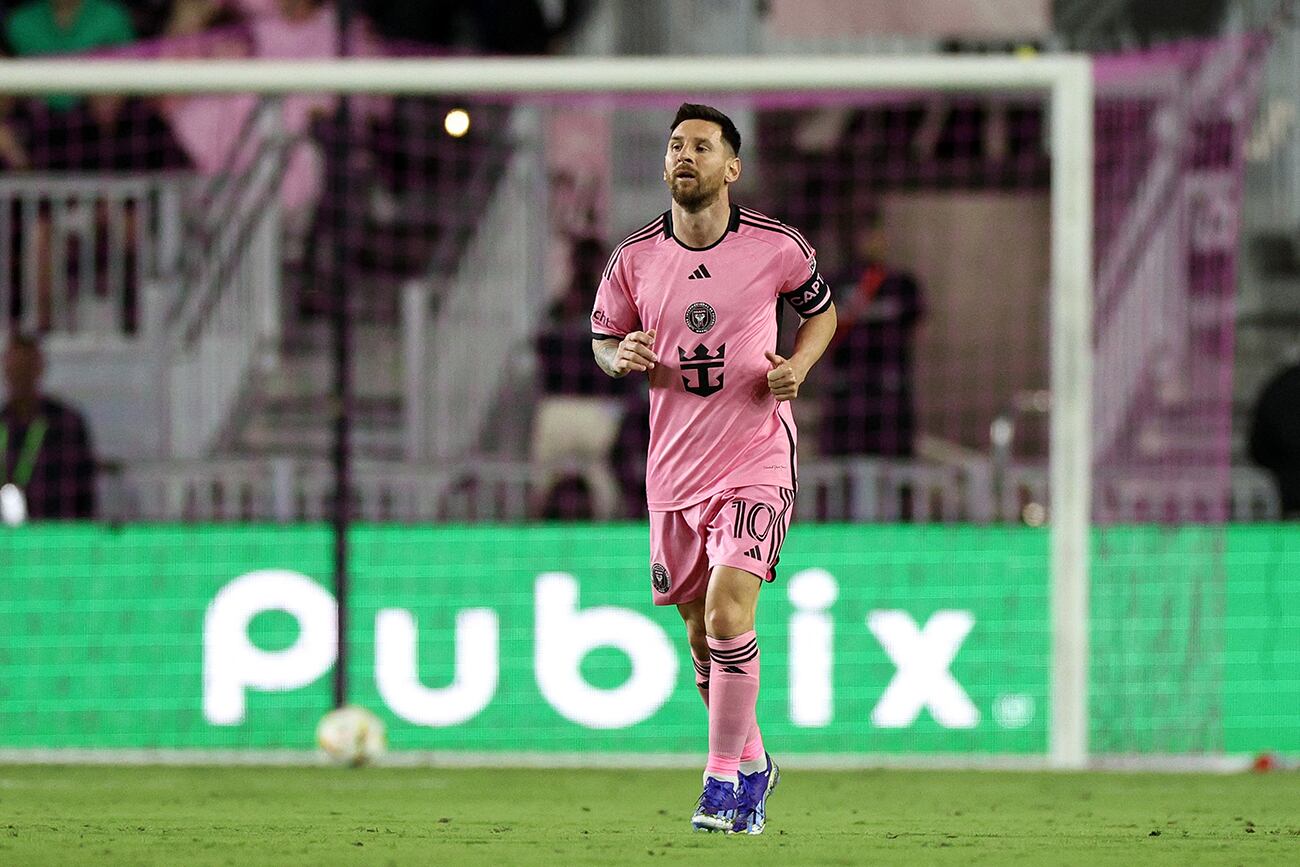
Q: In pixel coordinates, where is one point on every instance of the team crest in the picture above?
(700, 317)
(659, 578)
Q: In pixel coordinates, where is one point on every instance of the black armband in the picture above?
(812, 297)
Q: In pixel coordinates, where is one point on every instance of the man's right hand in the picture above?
(635, 352)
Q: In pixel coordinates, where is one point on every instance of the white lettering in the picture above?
(232, 663)
(564, 635)
(812, 638)
(922, 657)
(398, 678)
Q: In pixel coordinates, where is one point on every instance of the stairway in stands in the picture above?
(289, 412)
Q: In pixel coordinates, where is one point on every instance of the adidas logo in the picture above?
(699, 273)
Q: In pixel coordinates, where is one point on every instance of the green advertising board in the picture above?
(542, 639)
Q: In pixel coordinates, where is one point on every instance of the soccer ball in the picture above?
(352, 736)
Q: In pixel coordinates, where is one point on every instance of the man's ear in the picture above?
(733, 170)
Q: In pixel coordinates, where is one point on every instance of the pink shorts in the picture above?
(739, 527)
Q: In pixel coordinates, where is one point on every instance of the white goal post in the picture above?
(1065, 80)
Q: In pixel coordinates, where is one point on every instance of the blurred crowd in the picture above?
(109, 133)
(113, 134)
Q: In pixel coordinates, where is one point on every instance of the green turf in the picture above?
(243, 816)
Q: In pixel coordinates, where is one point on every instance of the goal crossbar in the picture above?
(541, 75)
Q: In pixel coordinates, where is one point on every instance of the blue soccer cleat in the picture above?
(754, 789)
(718, 806)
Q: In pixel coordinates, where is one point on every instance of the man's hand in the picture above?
(634, 352)
(784, 379)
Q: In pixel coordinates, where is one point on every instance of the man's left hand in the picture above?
(784, 379)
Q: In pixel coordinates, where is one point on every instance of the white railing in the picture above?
(289, 489)
(863, 490)
(225, 326)
(887, 490)
(77, 250)
(457, 362)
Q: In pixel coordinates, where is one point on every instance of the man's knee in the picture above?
(730, 602)
(727, 620)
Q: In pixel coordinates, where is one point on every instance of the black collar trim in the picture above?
(732, 225)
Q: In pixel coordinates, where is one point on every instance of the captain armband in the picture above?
(812, 297)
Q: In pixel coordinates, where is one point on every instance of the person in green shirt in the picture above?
(43, 27)
(47, 460)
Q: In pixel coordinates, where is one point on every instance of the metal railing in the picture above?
(226, 322)
(283, 489)
(78, 251)
(863, 490)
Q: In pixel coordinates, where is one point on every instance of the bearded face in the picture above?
(698, 164)
(693, 191)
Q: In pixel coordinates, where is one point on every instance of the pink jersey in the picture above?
(713, 422)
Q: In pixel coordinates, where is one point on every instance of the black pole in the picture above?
(341, 337)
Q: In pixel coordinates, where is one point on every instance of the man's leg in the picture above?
(752, 758)
(743, 544)
(729, 608)
(693, 617)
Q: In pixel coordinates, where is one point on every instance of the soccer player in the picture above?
(691, 299)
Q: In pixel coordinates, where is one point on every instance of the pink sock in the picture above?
(701, 676)
(753, 751)
(733, 685)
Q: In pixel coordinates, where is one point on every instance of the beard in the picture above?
(695, 194)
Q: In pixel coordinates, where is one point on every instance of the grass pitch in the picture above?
(244, 816)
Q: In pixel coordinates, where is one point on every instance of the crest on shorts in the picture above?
(659, 578)
(700, 317)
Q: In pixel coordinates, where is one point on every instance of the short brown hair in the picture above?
(695, 111)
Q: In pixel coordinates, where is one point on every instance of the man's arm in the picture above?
(810, 341)
(620, 357)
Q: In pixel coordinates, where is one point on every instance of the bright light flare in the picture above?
(456, 123)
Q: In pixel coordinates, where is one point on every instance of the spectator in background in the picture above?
(1275, 436)
(630, 452)
(577, 255)
(869, 407)
(68, 132)
(149, 17)
(43, 27)
(44, 444)
(564, 341)
(186, 18)
(208, 126)
(13, 153)
(485, 26)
